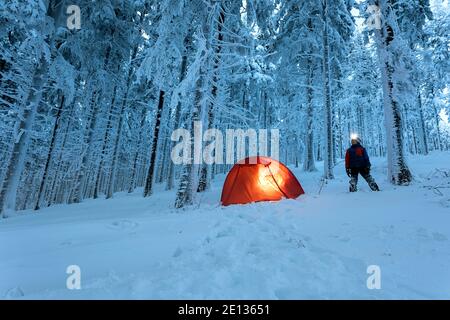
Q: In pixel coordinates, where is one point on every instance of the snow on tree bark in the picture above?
(398, 171)
(328, 125)
(205, 171)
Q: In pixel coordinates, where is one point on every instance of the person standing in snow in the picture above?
(357, 162)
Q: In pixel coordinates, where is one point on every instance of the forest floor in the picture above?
(314, 247)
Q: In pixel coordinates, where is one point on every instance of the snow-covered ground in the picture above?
(317, 246)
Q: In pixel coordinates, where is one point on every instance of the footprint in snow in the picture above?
(66, 243)
(340, 238)
(178, 251)
(439, 236)
(223, 233)
(445, 203)
(14, 293)
(299, 243)
(387, 231)
(422, 233)
(123, 225)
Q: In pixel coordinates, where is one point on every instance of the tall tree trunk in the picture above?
(437, 120)
(82, 174)
(185, 193)
(205, 168)
(177, 115)
(59, 172)
(423, 130)
(164, 158)
(328, 125)
(50, 155)
(105, 144)
(398, 171)
(134, 170)
(149, 180)
(24, 125)
(309, 164)
(117, 141)
(341, 134)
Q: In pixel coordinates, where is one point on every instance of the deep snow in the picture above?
(317, 246)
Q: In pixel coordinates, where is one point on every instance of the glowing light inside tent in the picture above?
(266, 180)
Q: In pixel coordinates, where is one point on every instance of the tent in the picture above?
(259, 179)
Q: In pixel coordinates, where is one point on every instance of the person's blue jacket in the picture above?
(357, 157)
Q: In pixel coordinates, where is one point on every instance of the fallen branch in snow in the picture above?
(436, 189)
(439, 173)
(322, 183)
(323, 179)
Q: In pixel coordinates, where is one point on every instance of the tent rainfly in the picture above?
(259, 179)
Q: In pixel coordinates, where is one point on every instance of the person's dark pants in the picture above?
(365, 173)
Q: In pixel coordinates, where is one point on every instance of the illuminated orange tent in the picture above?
(259, 179)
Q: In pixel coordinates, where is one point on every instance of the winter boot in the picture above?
(371, 182)
(353, 185)
(373, 185)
